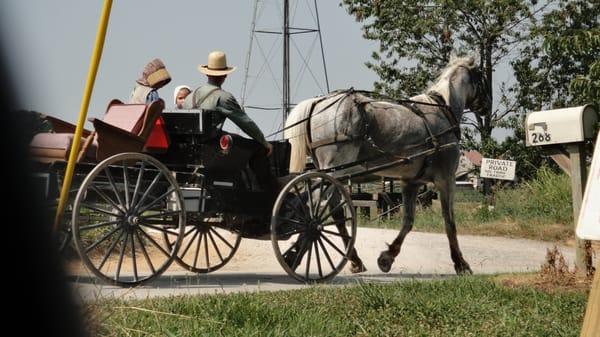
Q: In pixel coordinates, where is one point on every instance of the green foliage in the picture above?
(417, 39)
(467, 306)
(561, 66)
(546, 198)
(538, 209)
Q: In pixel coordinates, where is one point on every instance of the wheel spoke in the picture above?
(100, 224)
(206, 250)
(138, 183)
(326, 253)
(317, 205)
(333, 210)
(220, 237)
(154, 243)
(121, 254)
(88, 206)
(143, 247)
(107, 198)
(146, 207)
(343, 236)
(302, 202)
(164, 230)
(310, 199)
(160, 214)
(93, 245)
(215, 245)
(109, 251)
(145, 195)
(299, 255)
(189, 244)
(320, 269)
(197, 249)
(292, 232)
(294, 208)
(308, 261)
(133, 259)
(126, 187)
(111, 180)
(336, 222)
(327, 201)
(332, 245)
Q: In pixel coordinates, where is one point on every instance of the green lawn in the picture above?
(467, 306)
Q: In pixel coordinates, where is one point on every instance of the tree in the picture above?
(417, 40)
(561, 67)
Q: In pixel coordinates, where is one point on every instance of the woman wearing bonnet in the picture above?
(154, 76)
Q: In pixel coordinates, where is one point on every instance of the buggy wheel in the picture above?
(122, 208)
(313, 227)
(205, 247)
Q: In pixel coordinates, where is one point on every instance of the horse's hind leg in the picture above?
(446, 189)
(409, 198)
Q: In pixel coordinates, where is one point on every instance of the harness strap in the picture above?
(314, 145)
(455, 125)
(330, 141)
(414, 108)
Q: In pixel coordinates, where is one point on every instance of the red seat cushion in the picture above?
(158, 139)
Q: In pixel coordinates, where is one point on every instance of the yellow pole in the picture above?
(85, 102)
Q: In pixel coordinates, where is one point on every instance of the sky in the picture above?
(50, 45)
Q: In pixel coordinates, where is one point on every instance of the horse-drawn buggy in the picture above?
(135, 209)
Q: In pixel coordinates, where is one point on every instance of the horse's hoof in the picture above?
(357, 267)
(385, 261)
(463, 269)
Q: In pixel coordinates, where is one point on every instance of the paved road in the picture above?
(255, 268)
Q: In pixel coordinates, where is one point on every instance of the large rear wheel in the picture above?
(121, 211)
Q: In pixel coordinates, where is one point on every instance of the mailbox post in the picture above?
(568, 128)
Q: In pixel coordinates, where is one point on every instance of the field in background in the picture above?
(539, 210)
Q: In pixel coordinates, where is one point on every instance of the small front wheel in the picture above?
(313, 227)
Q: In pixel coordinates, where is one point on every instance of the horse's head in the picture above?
(463, 86)
(479, 101)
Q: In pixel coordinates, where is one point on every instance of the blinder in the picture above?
(481, 101)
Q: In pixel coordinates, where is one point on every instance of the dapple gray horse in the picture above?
(345, 127)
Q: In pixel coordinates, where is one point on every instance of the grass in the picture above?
(539, 210)
(459, 306)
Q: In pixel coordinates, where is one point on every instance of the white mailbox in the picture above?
(559, 126)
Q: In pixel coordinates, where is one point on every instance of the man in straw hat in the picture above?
(154, 76)
(211, 97)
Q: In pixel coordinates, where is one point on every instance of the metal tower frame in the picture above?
(286, 32)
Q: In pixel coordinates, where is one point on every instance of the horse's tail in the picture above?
(296, 135)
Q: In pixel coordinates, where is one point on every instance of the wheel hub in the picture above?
(314, 229)
(133, 220)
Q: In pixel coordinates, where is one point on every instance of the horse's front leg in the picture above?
(409, 199)
(446, 188)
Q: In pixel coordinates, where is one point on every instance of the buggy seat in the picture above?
(124, 128)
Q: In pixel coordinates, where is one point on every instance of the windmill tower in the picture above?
(290, 65)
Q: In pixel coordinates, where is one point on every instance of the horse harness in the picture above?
(363, 135)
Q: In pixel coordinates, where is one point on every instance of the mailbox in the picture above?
(560, 126)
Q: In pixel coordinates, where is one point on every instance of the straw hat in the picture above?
(217, 65)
